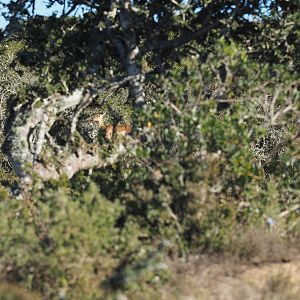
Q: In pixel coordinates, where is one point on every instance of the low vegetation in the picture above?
(206, 181)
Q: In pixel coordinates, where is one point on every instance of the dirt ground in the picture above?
(227, 279)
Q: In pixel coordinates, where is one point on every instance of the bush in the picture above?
(62, 246)
(214, 157)
(198, 174)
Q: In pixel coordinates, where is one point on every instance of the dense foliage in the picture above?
(213, 154)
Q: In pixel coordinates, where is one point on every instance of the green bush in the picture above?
(201, 172)
(62, 245)
(214, 158)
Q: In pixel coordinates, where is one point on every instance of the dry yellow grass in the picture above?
(202, 279)
(15, 292)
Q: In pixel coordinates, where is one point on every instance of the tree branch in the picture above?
(179, 41)
(25, 142)
(127, 48)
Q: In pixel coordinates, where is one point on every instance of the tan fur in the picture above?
(110, 130)
(100, 119)
(121, 129)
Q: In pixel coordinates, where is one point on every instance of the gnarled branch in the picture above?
(26, 146)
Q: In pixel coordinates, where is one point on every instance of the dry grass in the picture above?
(259, 265)
(14, 292)
(199, 280)
(259, 245)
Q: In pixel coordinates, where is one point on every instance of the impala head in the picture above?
(110, 130)
(100, 119)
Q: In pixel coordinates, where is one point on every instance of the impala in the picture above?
(110, 130)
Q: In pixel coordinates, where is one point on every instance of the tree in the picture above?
(213, 98)
(11, 81)
(114, 44)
